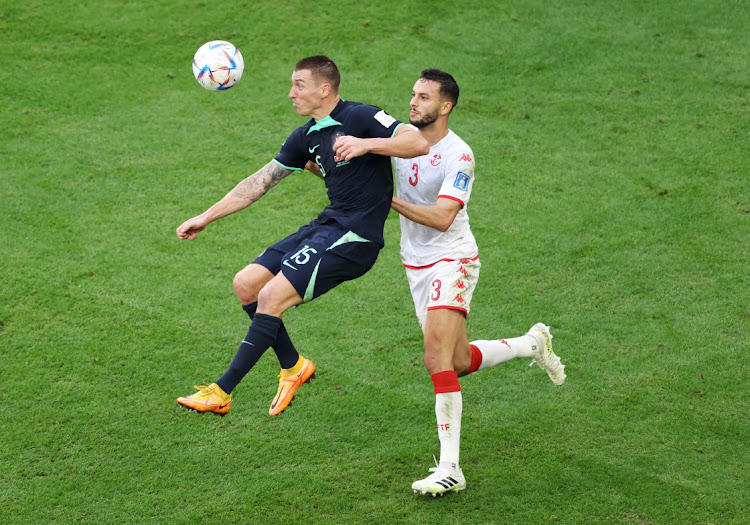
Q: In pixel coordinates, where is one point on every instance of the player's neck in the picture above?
(435, 132)
(326, 108)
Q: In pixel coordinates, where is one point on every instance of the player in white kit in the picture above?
(442, 265)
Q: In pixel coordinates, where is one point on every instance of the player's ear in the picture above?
(446, 107)
(325, 89)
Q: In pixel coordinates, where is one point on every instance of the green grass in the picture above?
(612, 202)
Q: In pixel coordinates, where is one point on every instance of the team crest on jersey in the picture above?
(436, 159)
(462, 181)
(338, 160)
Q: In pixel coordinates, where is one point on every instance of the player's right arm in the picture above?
(405, 143)
(439, 216)
(243, 195)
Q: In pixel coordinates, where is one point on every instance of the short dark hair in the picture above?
(322, 68)
(448, 85)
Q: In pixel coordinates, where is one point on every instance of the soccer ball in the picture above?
(218, 65)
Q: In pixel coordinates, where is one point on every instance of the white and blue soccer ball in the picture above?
(218, 65)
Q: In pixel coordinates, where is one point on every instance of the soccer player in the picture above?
(350, 143)
(442, 265)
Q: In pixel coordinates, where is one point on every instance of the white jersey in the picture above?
(447, 171)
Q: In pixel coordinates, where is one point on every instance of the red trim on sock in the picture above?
(445, 382)
(476, 359)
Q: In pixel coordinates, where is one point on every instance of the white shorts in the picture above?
(445, 284)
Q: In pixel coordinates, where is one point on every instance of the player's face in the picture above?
(425, 103)
(306, 93)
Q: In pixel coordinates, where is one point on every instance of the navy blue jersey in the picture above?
(359, 189)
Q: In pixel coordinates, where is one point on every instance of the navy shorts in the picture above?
(319, 257)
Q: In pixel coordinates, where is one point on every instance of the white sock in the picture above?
(448, 408)
(499, 351)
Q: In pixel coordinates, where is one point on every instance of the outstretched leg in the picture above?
(536, 343)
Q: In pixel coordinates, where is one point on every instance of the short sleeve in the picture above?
(459, 177)
(375, 122)
(293, 155)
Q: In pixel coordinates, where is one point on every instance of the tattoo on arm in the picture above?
(257, 184)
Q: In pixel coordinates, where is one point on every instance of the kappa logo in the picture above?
(458, 299)
(466, 157)
(436, 159)
(462, 270)
(460, 285)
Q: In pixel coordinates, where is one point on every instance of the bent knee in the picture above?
(265, 296)
(276, 296)
(245, 288)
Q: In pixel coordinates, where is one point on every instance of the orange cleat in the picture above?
(289, 382)
(208, 398)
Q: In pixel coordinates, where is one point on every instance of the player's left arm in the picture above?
(243, 195)
(439, 216)
(314, 169)
(405, 143)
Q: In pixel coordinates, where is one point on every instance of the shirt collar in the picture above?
(327, 121)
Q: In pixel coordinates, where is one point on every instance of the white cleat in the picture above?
(441, 480)
(545, 357)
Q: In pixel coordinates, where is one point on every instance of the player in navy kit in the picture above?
(351, 144)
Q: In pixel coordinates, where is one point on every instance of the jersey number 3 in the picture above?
(414, 179)
(436, 285)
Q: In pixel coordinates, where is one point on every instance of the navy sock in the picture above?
(250, 309)
(262, 334)
(286, 353)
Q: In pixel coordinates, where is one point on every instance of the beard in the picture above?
(425, 120)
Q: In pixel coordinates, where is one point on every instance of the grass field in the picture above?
(612, 202)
